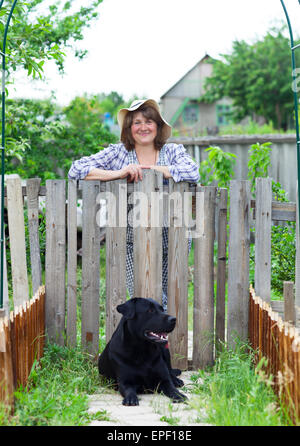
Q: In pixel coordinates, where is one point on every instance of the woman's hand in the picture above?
(163, 169)
(133, 172)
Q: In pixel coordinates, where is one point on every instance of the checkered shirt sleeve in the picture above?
(114, 157)
(181, 165)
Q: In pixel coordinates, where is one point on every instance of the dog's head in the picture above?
(146, 320)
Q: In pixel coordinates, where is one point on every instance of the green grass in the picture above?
(231, 393)
(234, 393)
(57, 391)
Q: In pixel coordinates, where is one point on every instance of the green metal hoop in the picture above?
(294, 72)
(3, 148)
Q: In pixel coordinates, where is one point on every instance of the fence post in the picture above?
(178, 273)
(263, 221)
(203, 337)
(221, 266)
(72, 264)
(115, 252)
(32, 188)
(90, 267)
(147, 243)
(17, 239)
(289, 302)
(55, 259)
(238, 262)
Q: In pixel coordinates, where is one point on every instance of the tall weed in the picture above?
(234, 393)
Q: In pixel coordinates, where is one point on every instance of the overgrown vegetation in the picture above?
(235, 393)
(231, 393)
(218, 168)
(57, 391)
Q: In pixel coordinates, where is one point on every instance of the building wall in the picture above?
(191, 86)
(169, 105)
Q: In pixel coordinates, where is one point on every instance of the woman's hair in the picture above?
(149, 113)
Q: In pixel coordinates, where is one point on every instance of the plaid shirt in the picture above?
(115, 157)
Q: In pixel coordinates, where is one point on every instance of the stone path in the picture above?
(153, 409)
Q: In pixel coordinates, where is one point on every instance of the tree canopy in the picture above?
(257, 77)
(38, 33)
(43, 139)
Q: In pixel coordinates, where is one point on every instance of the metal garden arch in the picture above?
(2, 52)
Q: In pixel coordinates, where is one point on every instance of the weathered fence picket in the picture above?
(178, 273)
(71, 326)
(55, 259)
(32, 189)
(17, 239)
(289, 302)
(221, 266)
(90, 267)
(203, 336)
(115, 252)
(238, 261)
(263, 222)
(147, 235)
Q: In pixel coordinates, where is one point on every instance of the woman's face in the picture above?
(143, 130)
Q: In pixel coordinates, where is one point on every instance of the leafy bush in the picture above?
(217, 167)
(44, 139)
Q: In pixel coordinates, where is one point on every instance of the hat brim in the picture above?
(166, 130)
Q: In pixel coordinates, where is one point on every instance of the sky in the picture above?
(143, 47)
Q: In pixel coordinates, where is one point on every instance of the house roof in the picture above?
(204, 58)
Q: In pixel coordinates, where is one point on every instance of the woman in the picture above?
(143, 145)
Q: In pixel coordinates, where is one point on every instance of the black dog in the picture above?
(137, 357)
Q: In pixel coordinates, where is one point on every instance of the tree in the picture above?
(36, 35)
(43, 140)
(257, 77)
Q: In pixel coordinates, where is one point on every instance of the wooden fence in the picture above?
(21, 343)
(279, 343)
(209, 319)
(151, 200)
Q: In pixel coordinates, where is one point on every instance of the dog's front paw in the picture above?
(176, 372)
(178, 397)
(177, 382)
(130, 400)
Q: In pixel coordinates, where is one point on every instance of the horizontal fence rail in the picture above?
(21, 343)
(279, 343)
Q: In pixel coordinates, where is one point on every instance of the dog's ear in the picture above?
(128, 308)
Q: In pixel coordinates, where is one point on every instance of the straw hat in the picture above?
(166, 130)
